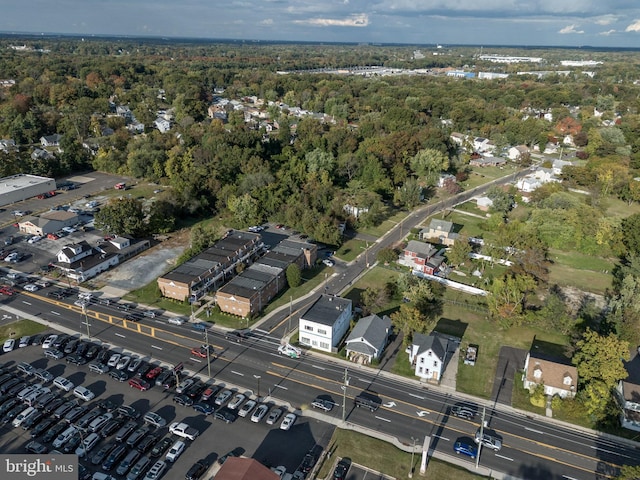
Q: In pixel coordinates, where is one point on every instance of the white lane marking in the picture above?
(422, 413)
(194, 359)
(25, 302)
(441, 438)
(383, 419)
(534, 430)
(55, 313)
(156, 347)
(85, 323)
(318, 367)
(613, 452)
(506, 458)
(260, 330)
(237, 373)
(569, 478)
(417, 396)
(280, 386)
(390, 404)
(120, 335)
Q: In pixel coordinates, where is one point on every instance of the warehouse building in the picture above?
(17, 188)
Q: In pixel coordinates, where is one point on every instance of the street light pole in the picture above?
(344, 396)
(413, 449)
(206, 342)
(86, 320)
(484, 411)
(258, 377)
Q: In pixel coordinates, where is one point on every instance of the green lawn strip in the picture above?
(385, 226)
(520, 397)
(586, 280)
(350, 249)
(581, 261)
(20, 328)
(384, 458)
(618, 208)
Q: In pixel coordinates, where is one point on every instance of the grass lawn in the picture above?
(589, 281)
(311, 278)
(384, 227)
(376, 277)
(465, 224)
(20, 328)
(384, 458)
(617, 208)
(350, 249)
(520, 397)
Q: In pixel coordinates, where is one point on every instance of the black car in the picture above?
(75, 413)
(8, 405)
(340, 472)
(103, 355)
(83, 472)
(9, 384)
(54, 431)
(127, 411)
(114, 457)
(38, 339)
(108, 405)
(70, 347)
(92, 352)
(60, 342)
(84, 421)
(308, 463)
(42, 427)
(73, 443)
(32, 420)
(133, 317)
(57, 294)
(196, 390)
(76, 359)
(161, 447)
(53, 405)
(238, 335)
(143, 370)
(204, 408)
(13, 413)
(147, 443)
(111, 427)
(82, 348)
(13, 391)
(101, 454)
(225, 415)
(163, 377)
(119, 375)
(183, 400)
(137, 436)
(197, 470)
(36, 447)
(464, 411)
(62, 410)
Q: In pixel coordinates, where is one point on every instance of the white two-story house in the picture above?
(325, 322)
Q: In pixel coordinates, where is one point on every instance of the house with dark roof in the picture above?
(367, 340)
(422, 257)
(51, 140)
(428, 354)
(237, 468)
(557, 375)
(627, 395)
(325, 322)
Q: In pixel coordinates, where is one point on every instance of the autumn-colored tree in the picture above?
(408, 320)
(507, 298)
(600, 358)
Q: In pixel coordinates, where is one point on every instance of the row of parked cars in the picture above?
(109, 436)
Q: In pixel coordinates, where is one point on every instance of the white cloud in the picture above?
(267, 21)
(357, 20)
(634, 27)
(570, 29)
(608, 32)
(606, 19)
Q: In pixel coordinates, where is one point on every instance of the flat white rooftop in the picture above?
(22, 180)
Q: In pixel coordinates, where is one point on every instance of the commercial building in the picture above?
(17, 188)
(325, 322)
(49, 222)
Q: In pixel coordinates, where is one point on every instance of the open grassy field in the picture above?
(20, 328)
(587, 280)
(385, 458)
(384, 227)
(350, 249)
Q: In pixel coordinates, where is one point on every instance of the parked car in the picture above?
(226, 415)
(197, 470)
(236, 401)
(274, 415)
(259, 413)
(288, 421)
(247, 408)
(175, 451)
(154, 419)
(139, 384)
(119, 375)
(161, 447)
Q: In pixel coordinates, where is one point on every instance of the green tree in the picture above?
(387, 255)
(244, 208)
(162, 217)
(429, 163)
(408, 195)
(631, 233)
(458, 253)
(294, 276)
(600, 358)
(372, 299)
(123, 216)
(408, 320)
(629, 472)
(503, 201)
(507, 298)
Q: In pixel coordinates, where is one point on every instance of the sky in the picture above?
(606, 23)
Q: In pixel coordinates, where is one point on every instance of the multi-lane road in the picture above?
(532, 448)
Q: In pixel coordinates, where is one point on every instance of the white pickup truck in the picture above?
(183, 430)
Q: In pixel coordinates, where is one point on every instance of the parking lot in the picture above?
(268, 444)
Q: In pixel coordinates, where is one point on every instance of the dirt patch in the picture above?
(575, 299)
(146, 267)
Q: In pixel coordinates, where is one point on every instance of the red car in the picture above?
(201, 351)
(4, 290)
(139, 384)
(153, 373)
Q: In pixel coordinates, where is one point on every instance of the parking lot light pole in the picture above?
(206, 343)
(258, 377)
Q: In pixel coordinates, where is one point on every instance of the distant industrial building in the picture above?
(17, 188)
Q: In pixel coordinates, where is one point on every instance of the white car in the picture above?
(149, 313)
(91, 204)
(81, 302)
(35, 239)
(113, 360)
(176, 320)
(48, 343)
(68, 229)
(63, 384)
(235, 403)
(328, 263)
(30, 287)
(84, 393)
(24, 341)
(11, 257)
(246, 408)
(123, 362)
(175, 451)
(289, 351)
(8, 345)
(288, 421)
(259, 413)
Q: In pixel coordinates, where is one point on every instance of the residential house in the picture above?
(441, 231)
(422, 257)
(238, 468)
(354, 210)
(40, 154)
(445, 178)
(125, 112)
(518, 152)
(558, 376)
(627, 395)
(482, 145)
(428, 354)
(539, 177)
(8, 145)
(51, 140)
(367, 340)
(458, 138)
(558, 165)
(482, 161)
(325, 322)
(162, 124)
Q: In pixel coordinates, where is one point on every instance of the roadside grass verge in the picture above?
(384, 458)
(20, 328)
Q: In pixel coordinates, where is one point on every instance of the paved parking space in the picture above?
(360, 472)
(267, 444)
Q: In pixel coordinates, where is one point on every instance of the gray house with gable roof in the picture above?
(367, 340)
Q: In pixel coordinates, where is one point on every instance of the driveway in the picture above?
(511, 361)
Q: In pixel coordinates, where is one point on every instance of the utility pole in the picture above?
(413, 449)
(484, 411)
(344, 395)
(206, 341)
(86, 319)
(290, 313)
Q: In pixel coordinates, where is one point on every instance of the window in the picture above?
(324, 345)
(435, 364)
(537, 372)
(322, 331)
(421, 359)
(567, 380)
(304, 340)
(420, 370)
(429, 353)
(308, 328)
